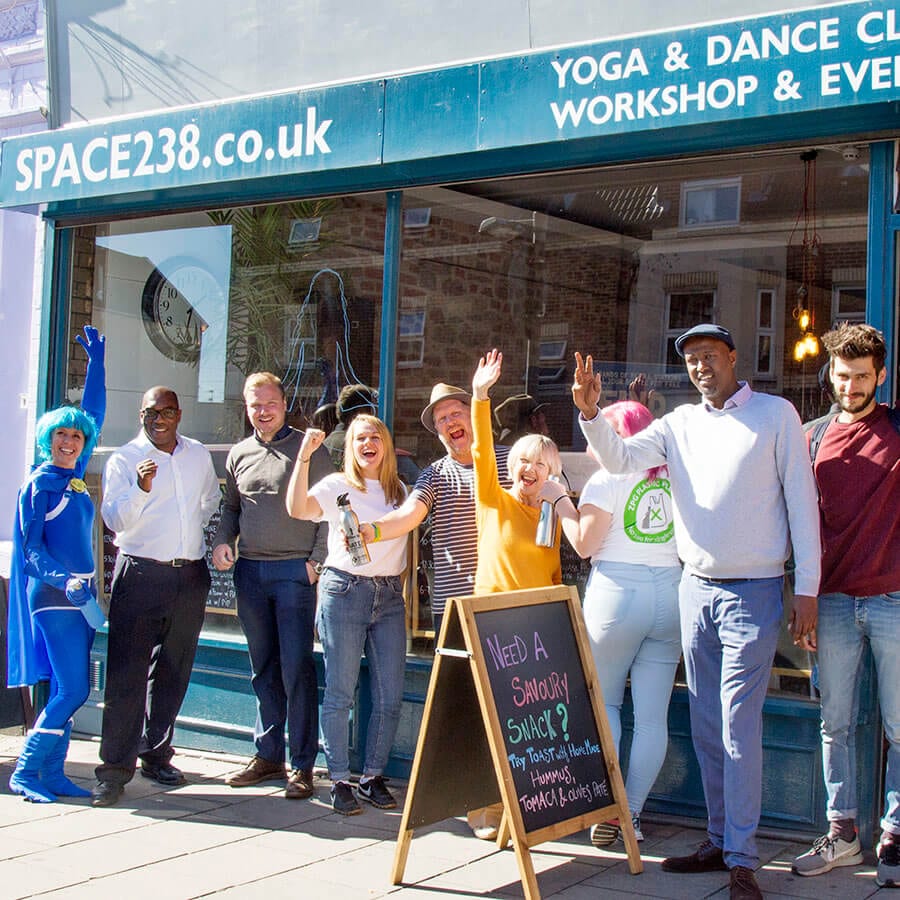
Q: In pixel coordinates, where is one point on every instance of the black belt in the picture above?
(170, 563)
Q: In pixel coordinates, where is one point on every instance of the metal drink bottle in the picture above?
(546, 528)
(356, 546)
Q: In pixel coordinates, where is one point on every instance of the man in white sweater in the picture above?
(744, 496)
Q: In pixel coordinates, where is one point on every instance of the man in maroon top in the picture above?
(857, 469)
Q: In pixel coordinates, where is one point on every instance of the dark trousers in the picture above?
(155, 617)
(277, 609)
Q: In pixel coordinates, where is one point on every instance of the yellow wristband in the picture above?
(377, 531)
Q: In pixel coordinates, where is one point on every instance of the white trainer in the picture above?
(826, 853)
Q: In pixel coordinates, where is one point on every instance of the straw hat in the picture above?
(441, 392)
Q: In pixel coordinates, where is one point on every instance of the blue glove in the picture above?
(95, 345)
(76, 593)
(83, 598)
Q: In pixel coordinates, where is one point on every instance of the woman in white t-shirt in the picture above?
(624, 523)
(360, 608)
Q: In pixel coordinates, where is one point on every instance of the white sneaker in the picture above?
(826, 853)
(636, 825)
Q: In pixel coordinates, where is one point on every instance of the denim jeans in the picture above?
(277, 609)
(631, 615)
(729, 631)
(358, 614)
(846, 624)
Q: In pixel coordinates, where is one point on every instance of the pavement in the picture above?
(205, 839)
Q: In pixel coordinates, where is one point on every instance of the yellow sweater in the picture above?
(508, 557)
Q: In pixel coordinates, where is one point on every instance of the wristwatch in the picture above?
(318, 568)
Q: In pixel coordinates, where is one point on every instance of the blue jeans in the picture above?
(846, 624)
(277, 608)
(631, 615)
(356, 615)
(729, 631)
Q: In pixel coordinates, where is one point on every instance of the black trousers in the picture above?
(156, 613)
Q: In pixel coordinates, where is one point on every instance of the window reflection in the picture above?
(614, 261)
(619, 261)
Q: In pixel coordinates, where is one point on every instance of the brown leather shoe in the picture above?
(299, 785)
(743, 884)
(706, 858)
(258, 770)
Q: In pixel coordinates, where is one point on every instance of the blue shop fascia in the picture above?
(781, 85)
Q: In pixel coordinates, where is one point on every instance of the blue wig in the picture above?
(65, 417)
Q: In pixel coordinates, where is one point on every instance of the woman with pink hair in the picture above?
(624, 524)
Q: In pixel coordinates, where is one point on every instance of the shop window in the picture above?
(198, 301)
(304, 231)
(765, 332)
(848, 302)
(602, 262)
(417, 218)
(684, 309)
(711, 202)
(411, 338)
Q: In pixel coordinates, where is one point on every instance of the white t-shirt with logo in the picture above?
(642, 530)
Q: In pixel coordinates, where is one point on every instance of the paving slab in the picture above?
(205, 839)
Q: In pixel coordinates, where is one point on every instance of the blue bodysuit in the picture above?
(48, 636)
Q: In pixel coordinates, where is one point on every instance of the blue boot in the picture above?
(53, 778)
(25, 780)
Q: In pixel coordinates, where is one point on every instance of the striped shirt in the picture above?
(447, 488)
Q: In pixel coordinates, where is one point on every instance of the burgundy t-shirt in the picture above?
(858, 473)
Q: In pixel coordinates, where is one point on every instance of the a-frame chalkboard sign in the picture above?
(515, 713)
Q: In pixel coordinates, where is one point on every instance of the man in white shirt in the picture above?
(159, 492)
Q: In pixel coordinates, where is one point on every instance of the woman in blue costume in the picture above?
(53, 611)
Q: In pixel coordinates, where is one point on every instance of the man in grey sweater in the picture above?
(274, 579)
(743, 495)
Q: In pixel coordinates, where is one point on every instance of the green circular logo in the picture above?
(648, 513)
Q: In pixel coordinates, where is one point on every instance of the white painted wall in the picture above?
(23, 99)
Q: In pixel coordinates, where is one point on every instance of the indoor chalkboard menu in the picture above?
(515, 712)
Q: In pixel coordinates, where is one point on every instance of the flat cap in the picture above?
(705, 330)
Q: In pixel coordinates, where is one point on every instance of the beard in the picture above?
(855, 404)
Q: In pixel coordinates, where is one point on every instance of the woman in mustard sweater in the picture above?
(508, 557)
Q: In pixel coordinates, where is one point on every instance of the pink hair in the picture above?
(628, 418)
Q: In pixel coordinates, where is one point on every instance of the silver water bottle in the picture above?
(546, 527)
(356, 546)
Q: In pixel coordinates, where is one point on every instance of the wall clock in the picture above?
(170, 304)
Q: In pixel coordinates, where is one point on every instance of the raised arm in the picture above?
(297, 500)
(93, 399)
(487, 481)
(587, 388)
(487, 374)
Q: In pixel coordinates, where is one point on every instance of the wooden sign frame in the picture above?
(461, 713)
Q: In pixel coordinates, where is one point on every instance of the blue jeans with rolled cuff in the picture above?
(846, 624)
(276, 606)
(359, 615)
